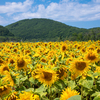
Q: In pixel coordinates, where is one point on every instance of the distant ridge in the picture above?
(5, 34)
(41, 29)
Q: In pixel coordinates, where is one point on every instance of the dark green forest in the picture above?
(40, 29)
(6, 35)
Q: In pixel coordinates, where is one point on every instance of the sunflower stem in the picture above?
(90, 98)
(81, 92)
(87, 97)
(50, 93)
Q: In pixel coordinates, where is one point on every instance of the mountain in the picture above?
(5, 34)
(40, 29)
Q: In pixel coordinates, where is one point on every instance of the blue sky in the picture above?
(77, 13)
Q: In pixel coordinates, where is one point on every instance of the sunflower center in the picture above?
(60, 73)
(47, 76)
(91, 57)
(98, 51)
(2, 90)
(27, 51)
(64, 48)
(83, 50)
(1, 61)
(12, 61)
(43, 60)
(21, 63)
(5, 68)
(80, 65)
(15, 50)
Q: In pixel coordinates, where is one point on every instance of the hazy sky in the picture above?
(78, 13)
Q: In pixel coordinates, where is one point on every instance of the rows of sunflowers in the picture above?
(68, 70)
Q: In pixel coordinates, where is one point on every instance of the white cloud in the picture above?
(65, 10)
(13, 7)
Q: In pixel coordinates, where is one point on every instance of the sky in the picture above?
(77, 13)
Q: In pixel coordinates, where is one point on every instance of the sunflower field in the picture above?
(68, 70)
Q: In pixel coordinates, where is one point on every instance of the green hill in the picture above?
(40, 29)
(5, 34)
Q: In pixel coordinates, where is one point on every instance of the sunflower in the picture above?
(67, 93)
(15, 50)
(47, 76)
(4, 68)
(64, 47)
(97, 69)
(91, 56)
(12, 96)
(78, 67)
(98, 50)
(28, 96)
(83, 49)
(21, 63)
(62, 72)
(12, 59)
(1, 61)
(4, 90)
(43, 60)
(91, 47)
(8, 78)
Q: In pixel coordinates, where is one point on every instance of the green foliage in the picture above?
(76, 97)
(5, 32)
(40, 29)
(6, 35)
(43, 30)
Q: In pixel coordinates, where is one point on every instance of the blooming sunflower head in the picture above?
(64, 47)
(47, 76)
(78, 67)
(67, 93)
(4, 90)
(1, 61)
(28, 96)
(98, 50)
(91, 56)
(43, 60)
(4, 68)
(21, 63)
(11, 96)
(62, 72)
(8, 79)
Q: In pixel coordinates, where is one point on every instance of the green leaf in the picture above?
(87, 83)
(41, 90)
(76, 97)
(98, 81)
(45, 98)
(20, 88)
(96, 98)
(30, 89)
(62, 83)
(96, 74)
(24, 78)
(95, 94)
(57, 99)
(31, 79)
(58, 86)
(71, 84)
